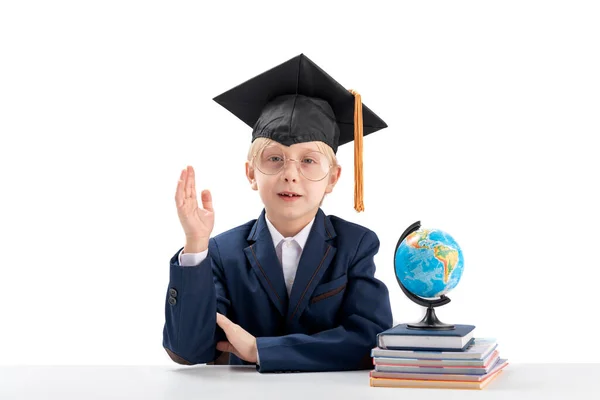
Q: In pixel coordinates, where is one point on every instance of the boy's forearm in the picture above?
(337, 349)
(190, 315)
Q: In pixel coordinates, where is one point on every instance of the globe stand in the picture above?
(430, 321)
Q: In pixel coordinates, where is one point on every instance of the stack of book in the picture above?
(419, 358)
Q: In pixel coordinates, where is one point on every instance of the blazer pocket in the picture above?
(328, 289)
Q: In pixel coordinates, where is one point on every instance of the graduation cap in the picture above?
(298, 102)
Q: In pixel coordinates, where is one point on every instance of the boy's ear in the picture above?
(250, 176)
(333, 178)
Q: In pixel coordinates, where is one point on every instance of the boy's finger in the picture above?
(180, 191)
(179, 194)
(232, 331)
(207, 200)
(188, 182)
(225, 346)
(193, 183)
(223, 321)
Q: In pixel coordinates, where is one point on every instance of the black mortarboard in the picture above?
(297, 102)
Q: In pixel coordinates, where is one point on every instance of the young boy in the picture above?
(293, 290)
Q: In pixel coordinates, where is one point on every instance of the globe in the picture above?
(428, 264)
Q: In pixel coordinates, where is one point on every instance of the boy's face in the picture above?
(308, 179)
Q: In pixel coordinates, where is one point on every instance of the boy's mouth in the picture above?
(288, 195)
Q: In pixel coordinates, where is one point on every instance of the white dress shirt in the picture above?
(288, 251)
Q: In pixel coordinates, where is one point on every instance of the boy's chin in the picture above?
(291, 210)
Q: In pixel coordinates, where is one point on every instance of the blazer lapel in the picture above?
(314, 261)
(263, 259)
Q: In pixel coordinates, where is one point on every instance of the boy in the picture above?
(293, 290)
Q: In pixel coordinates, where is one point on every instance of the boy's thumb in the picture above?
(207, 200)
(225, 346)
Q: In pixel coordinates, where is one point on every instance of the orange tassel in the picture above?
(358, 153)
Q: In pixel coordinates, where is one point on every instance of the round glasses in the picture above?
(313, 165)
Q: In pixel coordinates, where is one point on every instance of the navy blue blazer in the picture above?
(329, 322)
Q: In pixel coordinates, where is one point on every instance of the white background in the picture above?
(493, 121)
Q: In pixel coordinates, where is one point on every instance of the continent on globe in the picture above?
(448, 256)
(418, 239)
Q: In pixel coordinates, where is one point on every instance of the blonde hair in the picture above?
(262, 142)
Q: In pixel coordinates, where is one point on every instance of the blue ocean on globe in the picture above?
(429, 263)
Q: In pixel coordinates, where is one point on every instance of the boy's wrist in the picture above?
(195, 245)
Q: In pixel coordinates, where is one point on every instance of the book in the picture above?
(401, 337)
(437, 384)
(477, 350)
(468, 370)
(445, 349)
(435, 363)
(500, 364)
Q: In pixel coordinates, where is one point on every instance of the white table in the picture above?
(527, 381)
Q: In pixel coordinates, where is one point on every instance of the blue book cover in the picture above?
(403, 329)
(400, 337)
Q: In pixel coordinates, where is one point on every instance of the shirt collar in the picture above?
(300, 238)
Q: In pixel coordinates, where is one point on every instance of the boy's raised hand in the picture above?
(197, 222)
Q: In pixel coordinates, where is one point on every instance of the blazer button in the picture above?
(172, 301)
(172, 292)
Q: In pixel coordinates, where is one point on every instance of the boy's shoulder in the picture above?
(347, 228)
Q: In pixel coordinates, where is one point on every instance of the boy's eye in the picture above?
(308, 161)
(275, 159)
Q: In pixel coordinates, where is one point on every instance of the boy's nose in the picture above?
(290, 172)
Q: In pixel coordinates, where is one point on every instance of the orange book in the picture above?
(433, 384)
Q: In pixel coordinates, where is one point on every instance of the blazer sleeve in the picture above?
(194, 296)
(191, 259)
(366, 311)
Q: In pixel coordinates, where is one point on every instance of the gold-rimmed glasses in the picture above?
(312, 164)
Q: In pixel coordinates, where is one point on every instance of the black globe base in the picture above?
(431, 321)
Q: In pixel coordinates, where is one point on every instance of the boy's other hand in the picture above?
(197, 222)
(240, 342)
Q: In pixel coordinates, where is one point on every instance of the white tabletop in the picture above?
(531, 381)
